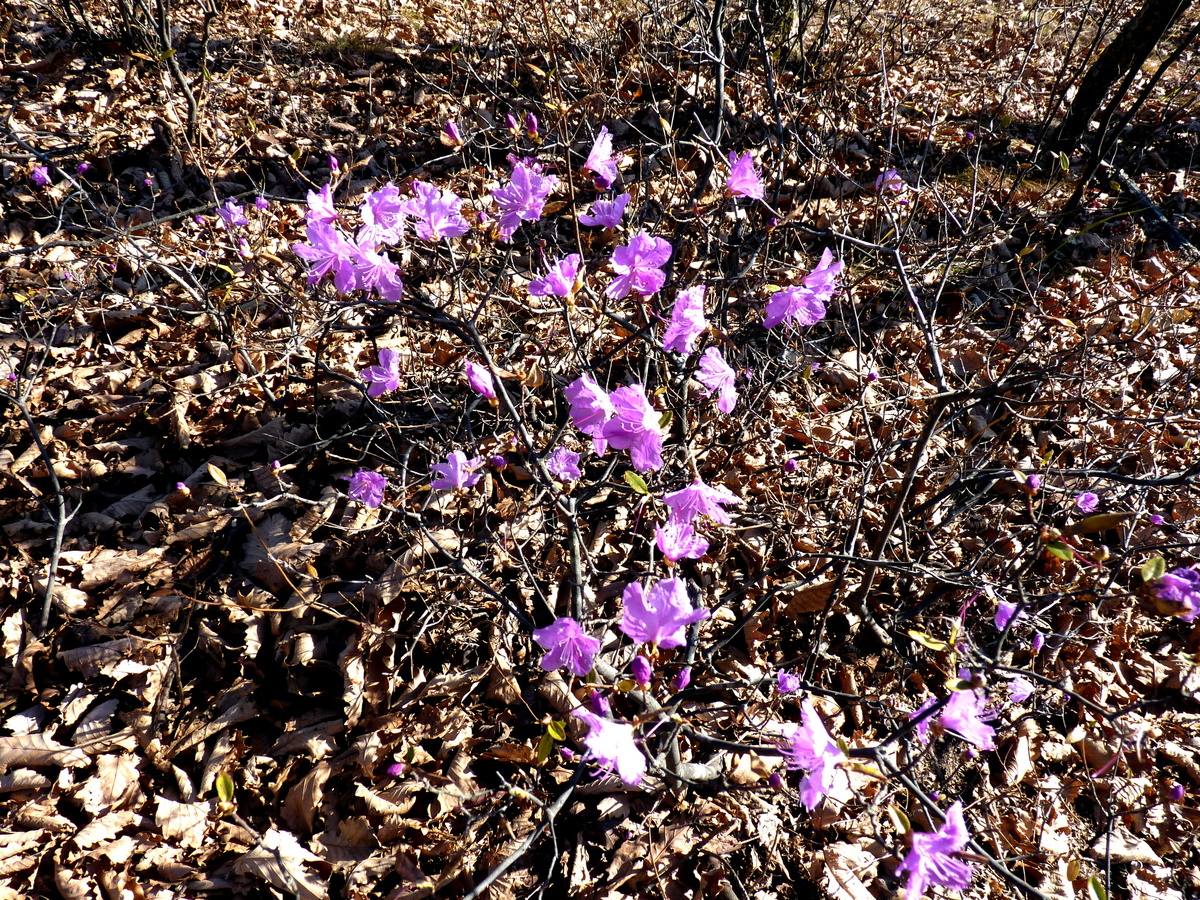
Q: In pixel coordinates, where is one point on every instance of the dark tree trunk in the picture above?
(1127, 51)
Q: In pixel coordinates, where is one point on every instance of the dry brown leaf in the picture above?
(280, 860)
(186, 823)
(39, 750)
(104, 828)
(304, 799)
(844, 871)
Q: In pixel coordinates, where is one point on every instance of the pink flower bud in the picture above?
(599, 704)
(1157, 520)
(531, 125)
(1033, 482)
(642, 670)
(1177, 793)
(682, 679)
(776, 781)
(1038, 642)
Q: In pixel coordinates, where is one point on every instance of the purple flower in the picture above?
(717, 375)
(591, 408)
(531, 125)
(700, 499)
(790, 465)
(641, 670)
(804, 304)
(811, 748)
(367, 487)
(929, 861)
(375, 271)
(511, 121)
(82, 168)
(40, 176)
(480, 379)
(1004, 613)
(607, 213)
(1033, 482)
(1038, 642)
(231, 214)
(600, 160)
(634, 427)
(1177, 793)
(567, 644)
(682, 679)
(1156, 519)
(320, 207)
(1087, 501)
(638, 266)
(563, 464)
(889, 181)
(1020, 689)
(743, 179)
(383, 217)
(687, 321)
(457, 472)
(261, 203)
(787, 682)
(599, 704)
(523, 199)
(385, 376)
(1180, 590)
(678, 541)
(328, 250)
(922, 727)
(964, 715)
(438, 213)
(453, 135)
(334, 166)
(559, 280)
(610, 744)
(659, 615)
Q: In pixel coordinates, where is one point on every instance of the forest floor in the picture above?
(969, 477)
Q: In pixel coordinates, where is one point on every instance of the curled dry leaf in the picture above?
(39, 750)
(280, 860)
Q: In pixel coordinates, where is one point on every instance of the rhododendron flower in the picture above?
(607, 213)
(922, 727)
(811, 748)
(383, 214)
(641, 670)
(82, 168)
(890, 181)
(40, 176)
(563, 464)
(678, 541)
(480, 379)
(367, 487)
(375, 271)
(320, 207)
(438, 213)
(1038, 642)
(700, 499)
(531, 125)
(634, 427)
(638, 266)
(743, 178)
(453, 136)
(611, 745)
(261, 203)
(1004, 613)
(559, 280)
(232, 215)
(600, 160)
(457, 472)
(964, 714)
(1180, 590)
(687, 321)
(804, 304)
(787, 682)
(659, 615)
(523, 199)
(682, 679)
(1020, 689)
(567, 644)
(717, 375)
(591, 408)
(929, 861)
(328, 250)
(1087, 501)
(385, 376)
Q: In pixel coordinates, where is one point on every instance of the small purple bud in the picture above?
(1156, 519)
(567, 753)
(261, 202)
(776, 781)
(276, 465)
(81, 168)
(180, 486)
(1038, 642)
(148, 181)
(499, 461)
(970, 753)
(790, 465)
(12, 377)
(815, 368)
(1177, 793)
(199, 220)
(599, 704)
(531, 125)
(935, 796)
(970, 135)
(396, 769)
(872, 376)
(682, 679)
(642, 670)
(511, 121)
(333, 163)
(1033, 482)
(40, 176)
(450, 129)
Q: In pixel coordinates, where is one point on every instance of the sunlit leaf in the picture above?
(224, 785)
(1153, 569)
(1061, 550)
(217, 475)
(635, 481)
(926, 641)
